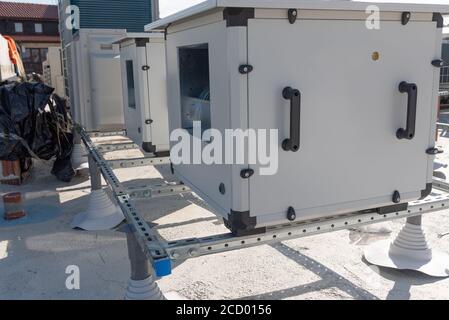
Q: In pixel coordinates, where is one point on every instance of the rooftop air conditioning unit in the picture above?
(354, 104)
(144, 90)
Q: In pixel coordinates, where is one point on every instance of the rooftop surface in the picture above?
(35, 251)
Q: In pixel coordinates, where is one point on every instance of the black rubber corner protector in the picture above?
(438, 18)
(391, 209)
(148, 147)
(238, 17)
(162, 154)
(427, 191)
(142, 42)
(242, 224)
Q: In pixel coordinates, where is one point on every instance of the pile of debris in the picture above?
(35, 124)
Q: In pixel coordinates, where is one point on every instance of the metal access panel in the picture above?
(350, 110)
(144, 90)
(353, 106)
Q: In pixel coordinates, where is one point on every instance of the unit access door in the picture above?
(349, 156)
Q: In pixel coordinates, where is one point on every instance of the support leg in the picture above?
(409, 251)
(79, 157)
(102, 213)
(95, 175)
(142, 285)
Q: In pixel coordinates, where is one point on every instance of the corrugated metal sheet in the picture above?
(132, 15)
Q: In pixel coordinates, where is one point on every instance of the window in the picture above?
(130, 82)
(32, 59)
(36, 56)
(18, 27)
(44, 53)
(195, 86)
(38, 27)
(26, 54)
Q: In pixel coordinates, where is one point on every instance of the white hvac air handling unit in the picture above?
(355, 107)
(94, 79)
(144, 90)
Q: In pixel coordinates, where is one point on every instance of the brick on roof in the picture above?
(28, 11)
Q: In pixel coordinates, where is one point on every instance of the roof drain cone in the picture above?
(142, 284)
(409, 251)
(79, 158)
(102, 213)
(143, 290)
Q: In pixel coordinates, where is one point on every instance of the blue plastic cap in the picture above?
(162, 267)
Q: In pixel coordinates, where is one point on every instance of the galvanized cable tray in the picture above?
(189, 248)
(138, 162)
(103, 134)
(161, 252)
(117, 146)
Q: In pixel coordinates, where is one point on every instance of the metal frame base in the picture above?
(161, 252)
(104, 148)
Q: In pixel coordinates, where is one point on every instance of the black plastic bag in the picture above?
(23, 121)
(35, 124)
(63, 169)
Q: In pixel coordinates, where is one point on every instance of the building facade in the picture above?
(34, 27)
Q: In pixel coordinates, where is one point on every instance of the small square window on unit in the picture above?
(195, 86)
(130, 83)
(18, 27)
(38, 27)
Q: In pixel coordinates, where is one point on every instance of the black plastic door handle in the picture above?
(293, 143)
(412, 92)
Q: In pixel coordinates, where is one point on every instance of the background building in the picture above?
(34, 27)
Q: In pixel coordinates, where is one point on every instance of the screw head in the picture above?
(291, 214)
(222, 188)
(175, 255)
(396, 197)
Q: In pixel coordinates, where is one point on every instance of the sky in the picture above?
(167, 7)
